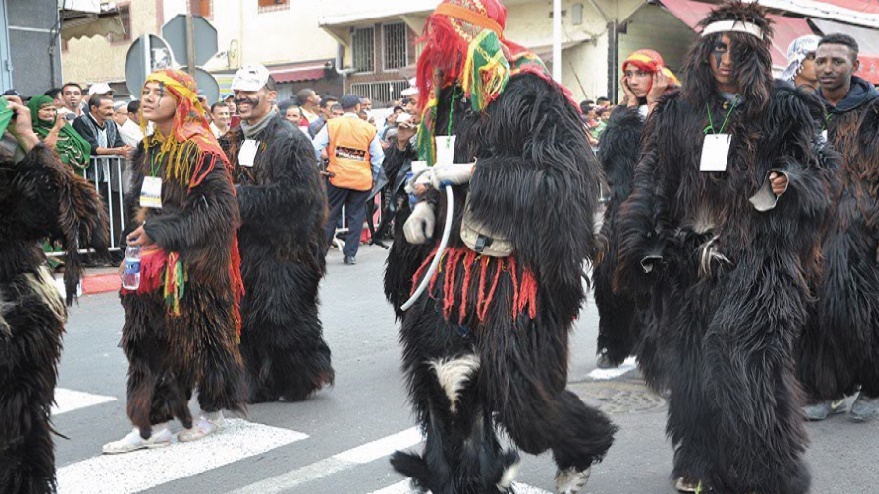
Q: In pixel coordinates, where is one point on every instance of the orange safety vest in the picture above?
(349, 153)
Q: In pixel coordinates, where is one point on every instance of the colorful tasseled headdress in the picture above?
(650, 61)
(192, 152)
(191, 136)
(466, 46)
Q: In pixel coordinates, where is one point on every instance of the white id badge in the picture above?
(151, 193)
(824, 135)
(715, 153)
(445, 150)
(247, 153)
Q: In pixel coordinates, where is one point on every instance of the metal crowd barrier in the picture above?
(110, 176)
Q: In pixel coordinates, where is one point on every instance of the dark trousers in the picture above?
(355, 212)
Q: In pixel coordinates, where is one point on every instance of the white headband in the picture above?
(735, 26)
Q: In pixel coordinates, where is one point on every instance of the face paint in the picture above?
(252, 101)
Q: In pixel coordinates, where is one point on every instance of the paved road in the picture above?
(339, 441)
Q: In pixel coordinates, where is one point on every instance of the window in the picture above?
(381, 93)
(273, 5)
(125, 19)
(363, 48)
(396, 46)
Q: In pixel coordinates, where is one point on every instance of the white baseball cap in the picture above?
(99, 88)
(250, 78)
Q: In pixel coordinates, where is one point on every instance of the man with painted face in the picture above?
(839, 353)
(182, 321)
(283, 214)
(728, 199)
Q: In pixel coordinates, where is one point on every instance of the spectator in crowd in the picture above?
(290, 110)
(57, 134)
(355, 155)
(98, 128)
(603, 101)
(128, 129)
(603, 117)
(233, 107)
(366, 104)
(801, 63)
(326, 113)
(72, 95)
(57, 97)
(101, 88)
(219, 119)
(309, 102)
(337, 110)
(390, 128)
(410, 100)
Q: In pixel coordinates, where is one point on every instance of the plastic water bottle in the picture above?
(131, 273)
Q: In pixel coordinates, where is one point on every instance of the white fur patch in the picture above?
(509, 475)
(571, 481)
(453, 373)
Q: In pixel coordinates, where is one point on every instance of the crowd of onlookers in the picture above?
(595, 114)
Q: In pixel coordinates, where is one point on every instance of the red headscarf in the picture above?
(449, 32)
(650, 61)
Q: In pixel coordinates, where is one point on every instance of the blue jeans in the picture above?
(355, 212)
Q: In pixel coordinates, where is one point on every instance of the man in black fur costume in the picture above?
(625, 326)
(181, 322)
(839, 353)
(488, 343)
(283, 214)
(728, 199)
(39, 197)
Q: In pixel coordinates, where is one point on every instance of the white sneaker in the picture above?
(205, 427)
(133, 442)
(570, 481)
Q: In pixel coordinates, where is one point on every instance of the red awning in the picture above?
(787, 29)
(299, 74)
(868, 43)
(862, 6)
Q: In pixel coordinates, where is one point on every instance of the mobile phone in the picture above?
(70, 116)
(236, 121)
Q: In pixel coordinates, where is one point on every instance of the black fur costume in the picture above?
(283, 213)
(472, 362)
(39, 197)
(619, 326)
(840, 349)
(171, 354)
(733, 280)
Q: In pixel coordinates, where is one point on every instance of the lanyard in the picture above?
(725, 121)
(154, 167)
(452, 110)
(826, 121)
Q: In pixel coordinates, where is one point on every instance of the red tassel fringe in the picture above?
(488, 272)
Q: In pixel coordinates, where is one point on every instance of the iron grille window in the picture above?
(381, 93)
(363, 49)
(396, 46)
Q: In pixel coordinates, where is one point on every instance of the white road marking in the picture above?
(360, 455)
(403, 488)
(141, 470)
(607, 374)
(67, 400)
